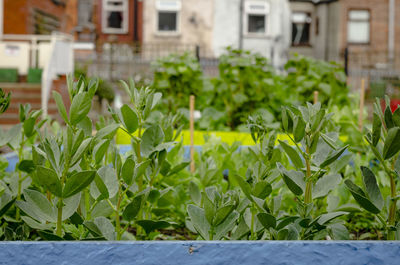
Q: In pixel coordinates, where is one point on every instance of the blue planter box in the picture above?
(200, 252)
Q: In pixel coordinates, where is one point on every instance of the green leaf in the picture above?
(60, 106)
(70, 206)
(6, 201)
(107, 132)
(100, 150)
(152, 137)
(194, 193)
(267, 220)
(26, 166)
(129, 118)
(209, 208)
(37, 206)
(29, 125)
(293, 179)
(78, 182)
(246, 188)
(105, 227)
(199, 221)
(396, 116)
(388, 118)
(226, 226)
(326, 218)
(392, 143)
(329, 141)
(178, 168)
(150, 225)
(361, 198)
(376, 129)
(299, 129)
(48, 178)
(325, 184)
(81, 150)
(80, 107)
(222, 214)
(140, 168)
(86, 125)
(133, 208)
(128, 171)
(292, 154)
(101, 187)
(333, 156)
(262, 189)
(372, 188)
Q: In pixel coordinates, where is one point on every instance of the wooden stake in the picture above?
(361, 114)
(315, 97)
(192, 100)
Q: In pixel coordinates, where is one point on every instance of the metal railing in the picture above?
(59, 59)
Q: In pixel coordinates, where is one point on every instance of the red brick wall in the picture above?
(18, 15)
(376, 51)
(14, 13)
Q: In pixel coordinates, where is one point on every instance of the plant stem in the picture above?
(59, 217)
(252, 235)
(392, 207)
(87, 205)
(308, 192)
(117, 221)
(20, 158)
(60, 203)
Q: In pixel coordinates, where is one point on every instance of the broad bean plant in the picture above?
(301, 180)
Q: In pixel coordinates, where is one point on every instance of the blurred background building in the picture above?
(42, 40)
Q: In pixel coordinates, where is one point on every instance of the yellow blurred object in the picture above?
(200, 136)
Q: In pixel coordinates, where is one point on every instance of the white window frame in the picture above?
(249, 10)
(124, 8)
(302, 17)
(162, 6)
(355, 20)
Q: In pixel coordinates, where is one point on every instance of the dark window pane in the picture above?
(256, 24)
(114, 20)
(167, 21)
(300, 33)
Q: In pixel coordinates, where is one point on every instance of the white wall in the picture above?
(226, 25)
(15, 55)
(273, 45)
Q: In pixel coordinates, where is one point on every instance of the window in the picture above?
(115, 16)
(256, 14)
(301, 24)
(358, 26)
(168, 16)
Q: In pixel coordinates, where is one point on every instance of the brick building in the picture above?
(38, 16)
(324, 29)
(118, 21)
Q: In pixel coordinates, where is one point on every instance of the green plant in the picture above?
(306, 75)
(384, 141)
(314, 162)
(178, 77)
(245, 83)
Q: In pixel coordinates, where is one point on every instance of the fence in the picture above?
(122, 61)
(381, 73)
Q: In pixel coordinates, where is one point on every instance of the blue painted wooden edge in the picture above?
(201, 252)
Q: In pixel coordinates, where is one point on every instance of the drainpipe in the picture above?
(391, 37)
(1, 18)
(241, 25)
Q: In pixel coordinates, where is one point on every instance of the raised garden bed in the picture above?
(200, 252)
